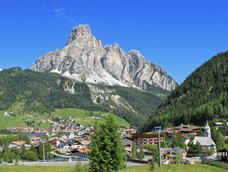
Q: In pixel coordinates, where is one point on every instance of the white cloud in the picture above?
(59, 12)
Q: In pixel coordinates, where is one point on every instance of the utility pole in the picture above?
(43, 141)
(158, 131)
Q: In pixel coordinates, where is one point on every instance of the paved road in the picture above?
(66, 163)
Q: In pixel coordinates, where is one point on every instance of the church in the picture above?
(205, 141)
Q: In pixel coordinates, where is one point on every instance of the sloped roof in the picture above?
(182, 128)
(137, 135)
(35, 138)
(185, 136)
(207, 126)
(35, 135)
(84, 150)
(19, 143)
(204, 141)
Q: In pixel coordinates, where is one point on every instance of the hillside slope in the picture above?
(26, 92)
(203, 94)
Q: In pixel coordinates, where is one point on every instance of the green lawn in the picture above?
(35, 169)
(167, 168)
(83, 117)
(10, 121)
(176, 168)
(45, 126)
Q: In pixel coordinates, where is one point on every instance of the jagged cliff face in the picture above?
(85, 59)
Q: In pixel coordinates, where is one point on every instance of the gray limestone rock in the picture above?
(85, 59)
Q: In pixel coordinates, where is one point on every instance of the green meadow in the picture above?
(167, 168)
(84, 117)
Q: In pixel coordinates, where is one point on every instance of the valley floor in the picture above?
(167, 168)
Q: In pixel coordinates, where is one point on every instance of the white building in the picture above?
(205, 141)
(71, 136)
(207, 131)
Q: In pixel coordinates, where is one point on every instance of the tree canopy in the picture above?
(107, 150)
(202, 95)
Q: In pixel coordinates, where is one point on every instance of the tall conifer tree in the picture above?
(107, 150)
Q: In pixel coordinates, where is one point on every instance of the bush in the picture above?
(152, 165)
(81, 168)
(30, 156)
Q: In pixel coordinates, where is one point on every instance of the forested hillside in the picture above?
(26, 91)
(201, 96)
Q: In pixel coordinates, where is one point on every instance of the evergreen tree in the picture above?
(23, 150)
(107, 150)
(194, 149)
(165, 142)
(34, 150)
(81, 168)
(214, 134)
(220, 141)
(178, 157)
(40, 151)
(177, 141)
(152, 165)
(47, 149)
(203, 94)
(141, 154)
(133, 151)
(29, 85)
(7, 155)
(30, 155)
(16, 159)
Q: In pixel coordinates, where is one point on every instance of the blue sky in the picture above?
(178, 35)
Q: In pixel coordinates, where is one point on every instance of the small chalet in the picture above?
(82, 154)
(218, 124)
(144, 139)
(54, 143)
(184, 129)
(63, 147)
(224, 154)
(83, 150)
(16, 144)
(35, 140)
(77, 145)
(127, 143)
(186, 139)
(169, 154)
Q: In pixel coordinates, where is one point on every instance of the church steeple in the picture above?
(207, 130)
(71, 136)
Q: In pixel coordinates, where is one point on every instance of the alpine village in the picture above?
(89, 107)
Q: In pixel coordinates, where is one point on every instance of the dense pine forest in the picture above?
(203, 95)
(25, 91)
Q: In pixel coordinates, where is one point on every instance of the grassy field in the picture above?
(45, 126)
(167, 168)
(84, 117)
(35, 169)
(10, 121)
(176, 168)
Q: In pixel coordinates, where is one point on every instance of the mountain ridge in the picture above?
(85, 59)
(41, 93)
(202, 96)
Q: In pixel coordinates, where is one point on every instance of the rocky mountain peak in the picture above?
(136, 55)
(79, 31)
(85, 56)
